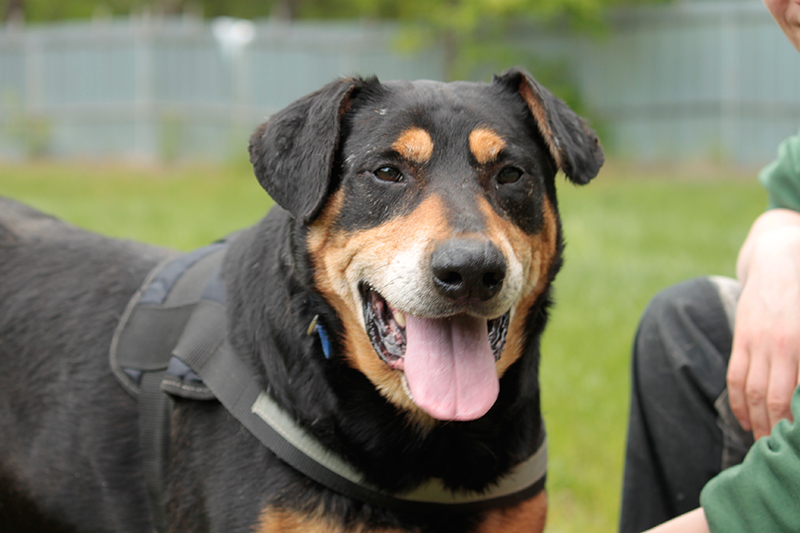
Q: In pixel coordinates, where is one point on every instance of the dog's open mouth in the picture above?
(448, 362)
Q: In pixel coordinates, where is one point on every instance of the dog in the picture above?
(390, 305)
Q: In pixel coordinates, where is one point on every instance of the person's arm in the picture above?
(764, 368)
(760, 494)
(691, 522)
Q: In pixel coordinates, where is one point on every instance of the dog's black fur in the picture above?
(69, 452)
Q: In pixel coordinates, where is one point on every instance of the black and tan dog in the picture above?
(418, 227)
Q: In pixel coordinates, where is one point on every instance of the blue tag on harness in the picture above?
(324, 340)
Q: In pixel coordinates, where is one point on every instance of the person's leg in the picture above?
(676, 437)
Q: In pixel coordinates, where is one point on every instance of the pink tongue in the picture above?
(450, 368)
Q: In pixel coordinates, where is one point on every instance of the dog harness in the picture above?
(172, 341)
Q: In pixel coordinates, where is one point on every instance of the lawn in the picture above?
(629, 234)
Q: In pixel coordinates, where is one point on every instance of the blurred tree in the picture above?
(473, 33)
(454, 14)
(477, 36)
(49, 10)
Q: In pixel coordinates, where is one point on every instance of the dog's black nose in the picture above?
(468, 270)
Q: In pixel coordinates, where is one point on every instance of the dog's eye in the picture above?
(509, 175)
(388, 174)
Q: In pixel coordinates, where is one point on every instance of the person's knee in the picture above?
(667, 318)
(684, 338)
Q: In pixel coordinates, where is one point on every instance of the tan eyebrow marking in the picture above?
(485, 144)
(414, 144)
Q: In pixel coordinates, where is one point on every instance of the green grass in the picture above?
(629, 234)
(627, 237)
(179, 207)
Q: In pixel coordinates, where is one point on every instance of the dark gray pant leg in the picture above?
(677, 437)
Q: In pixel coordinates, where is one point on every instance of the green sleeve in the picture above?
(781, 178)
(762, 493)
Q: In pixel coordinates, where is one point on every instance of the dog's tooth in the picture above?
(400, 318)
(406, 387)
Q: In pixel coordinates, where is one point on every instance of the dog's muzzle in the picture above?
(448, 359)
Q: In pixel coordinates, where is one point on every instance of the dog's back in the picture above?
(62, 291)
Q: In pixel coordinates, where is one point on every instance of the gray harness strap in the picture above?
(173, 338)
(141, 352)
(205, 349)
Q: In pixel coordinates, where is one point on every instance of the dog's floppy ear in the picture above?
(293, 152)
(572, 143)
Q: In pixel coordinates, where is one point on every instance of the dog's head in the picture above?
(432, 225)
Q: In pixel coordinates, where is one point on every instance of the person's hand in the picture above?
(764, 368)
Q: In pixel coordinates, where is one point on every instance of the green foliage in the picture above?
(628, 236)
(460, 16)
(31, 133)
(46, 10)
(477, 36)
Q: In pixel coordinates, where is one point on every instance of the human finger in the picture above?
(738, 367)
(755, 393)
(782, 382)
